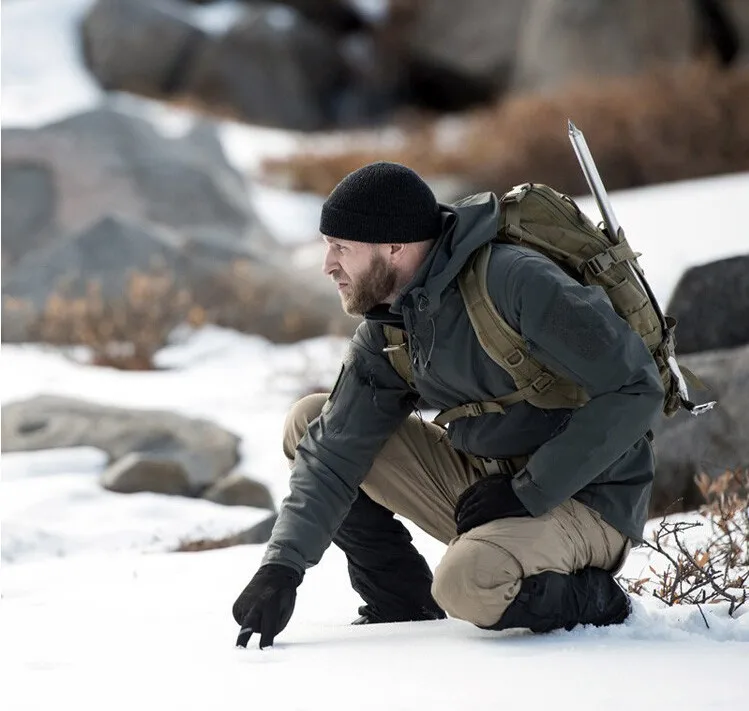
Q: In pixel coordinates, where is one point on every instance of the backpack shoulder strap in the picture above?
(506, 347)
(398, 353)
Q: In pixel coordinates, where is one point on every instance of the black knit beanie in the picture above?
(381, 203)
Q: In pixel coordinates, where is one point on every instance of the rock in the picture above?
(738, 15)
(66, 175)
(473, 42)
(142, 46)
(232, 288)
(136, 472)
(339, 16)
(238, 490)
(204, 451)
(29, 206)
(711, 304)
(259, 533)
(106, 253)
(564, 40)
(713, 442)
(291, 71)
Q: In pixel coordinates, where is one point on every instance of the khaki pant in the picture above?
(419, 476)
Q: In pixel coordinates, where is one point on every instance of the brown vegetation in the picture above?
(669, 125)
(125, 333)
(717, 571)
(128, 331)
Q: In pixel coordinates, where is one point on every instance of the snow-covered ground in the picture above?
(98, 613)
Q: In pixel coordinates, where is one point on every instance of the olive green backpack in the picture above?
(539, 217)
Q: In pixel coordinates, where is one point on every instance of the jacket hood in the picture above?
(466, 226)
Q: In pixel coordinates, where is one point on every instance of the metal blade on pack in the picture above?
(615, 233)
(590, 171)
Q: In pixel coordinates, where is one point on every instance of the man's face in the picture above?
(362, 273)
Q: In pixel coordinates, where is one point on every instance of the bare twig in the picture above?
(718, 570)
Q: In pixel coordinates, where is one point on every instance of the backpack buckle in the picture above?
(515, 358)
(600, 263)
(517, 193)
(543, 382)
(474, 409)
(497, 466)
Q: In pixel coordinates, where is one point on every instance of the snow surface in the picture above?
(97, 613)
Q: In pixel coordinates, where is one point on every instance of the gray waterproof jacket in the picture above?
(598, 454)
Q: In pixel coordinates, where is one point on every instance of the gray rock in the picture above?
(473, 39)
(738, 14)
(106, 253)
(136, 472)
(142, 46)
(238, 490)
(340, 16)
(291, 71)
(235, 289)
(564, 40)
(711, 304)
(259, 533)
(29, 206)
(204, 451)
(67, 175)
(711, 443)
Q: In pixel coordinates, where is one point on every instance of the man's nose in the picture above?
(329, 264)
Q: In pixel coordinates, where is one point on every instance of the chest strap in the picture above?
(473, 409)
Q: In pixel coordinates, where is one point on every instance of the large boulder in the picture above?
(273, 67)
(711, 304)
(473, 40)
(105, 253)
(712, 443)
(202, 450)
(230, 286)
(140, 46)
(66, 175)
(563, 40)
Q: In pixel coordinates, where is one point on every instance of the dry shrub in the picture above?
(668, 125)
(128, 331)
(716, 571)
(122, 333)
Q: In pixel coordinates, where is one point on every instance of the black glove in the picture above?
(486, 500)
(266, 604)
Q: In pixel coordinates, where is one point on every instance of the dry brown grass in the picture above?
(669, 125)
(128, 331)
(122, 333)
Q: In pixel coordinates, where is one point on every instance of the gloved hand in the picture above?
(486, 500)
(266, 604)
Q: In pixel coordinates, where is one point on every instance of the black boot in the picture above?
(385, 569)
(549, 601)
(367, 616)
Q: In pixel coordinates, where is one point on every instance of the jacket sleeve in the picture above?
(368, 403)
(574, 330)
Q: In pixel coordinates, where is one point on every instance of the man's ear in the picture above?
(396, 252)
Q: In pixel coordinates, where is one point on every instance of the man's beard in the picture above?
(370, 289)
